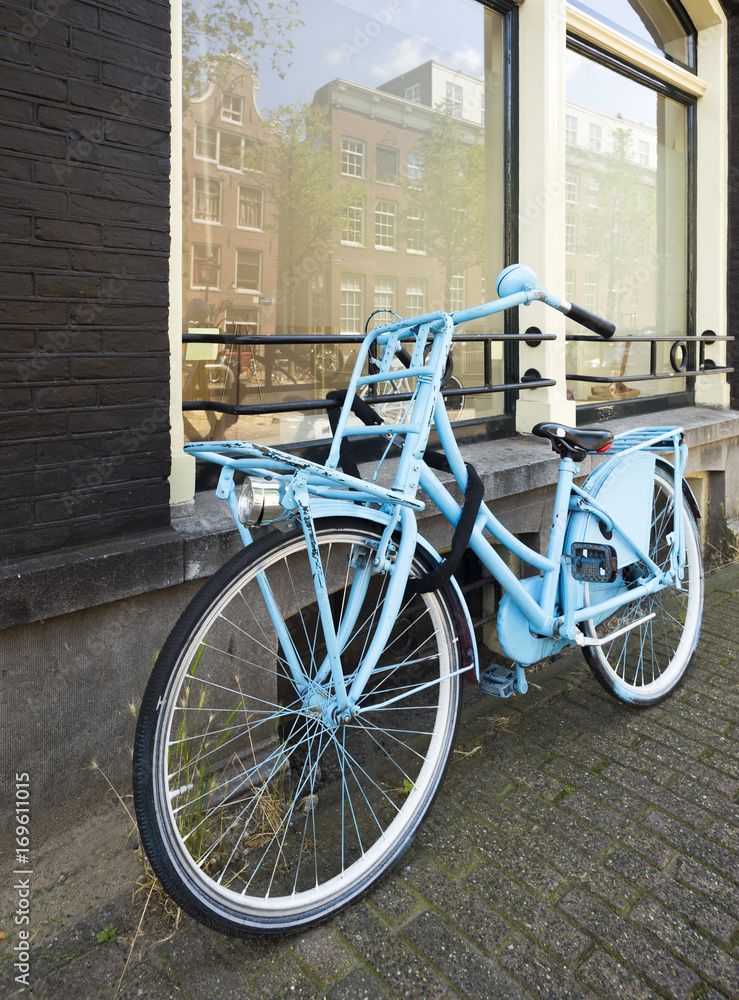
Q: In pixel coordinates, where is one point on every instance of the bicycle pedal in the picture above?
(498, 681)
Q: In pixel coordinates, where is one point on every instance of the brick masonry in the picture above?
(579, 848)
(84, 351)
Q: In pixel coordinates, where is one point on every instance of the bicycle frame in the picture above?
(309, 490)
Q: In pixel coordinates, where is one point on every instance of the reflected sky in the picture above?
(371, 44)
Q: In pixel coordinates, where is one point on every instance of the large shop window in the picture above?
(338, 159)
(630, 207)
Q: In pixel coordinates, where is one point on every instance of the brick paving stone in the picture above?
(476, 978)
(630, 757)
(397, 965)
(493, 810)
(530, 913)
(565, 823)
(536, 729)
(515, 858)
(633, 947)
(541, 974)
(726, 833)
(358, 985)
(641, 725)
(322, 952)
(613, 979)
(684, 725)
(595, 700)
(465, 908)
(707, 798)
(665, 887)
(285, 981)
(620, 827)
(613, 795)
(703, 770)
(714, 713)
(201, 961)
(695, 875)
(649, 792)
(711, 961)
(393, 899)
(449, 848)
(576, 864)
(689, 842)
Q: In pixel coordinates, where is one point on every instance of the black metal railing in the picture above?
(679, 357)
(530, 380)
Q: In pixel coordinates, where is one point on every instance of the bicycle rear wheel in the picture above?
(256, 813)
(645, 664)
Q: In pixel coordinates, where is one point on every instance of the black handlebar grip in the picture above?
(592, 322)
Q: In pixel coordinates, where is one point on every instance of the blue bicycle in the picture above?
(301, 715)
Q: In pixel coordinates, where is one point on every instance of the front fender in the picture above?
(324, 508)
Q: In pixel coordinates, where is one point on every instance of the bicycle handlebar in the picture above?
(590, 321)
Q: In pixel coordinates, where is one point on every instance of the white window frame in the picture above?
(230, 114)
(386, 225)
(352, 310)
(454, 100)
(247, 290)
(413, 93)
(352, 222)
(543, 68)
(359, 156)
(193, 284)
(201, 219)
(250, 187)
(416, 297)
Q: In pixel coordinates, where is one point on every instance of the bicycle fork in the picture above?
(343, 705)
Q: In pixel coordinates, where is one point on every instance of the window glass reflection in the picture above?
(335, 162)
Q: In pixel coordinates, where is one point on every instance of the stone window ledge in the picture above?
(202, 536)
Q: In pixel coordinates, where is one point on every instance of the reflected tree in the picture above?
(216, 31)
(450, 197)
(298, 171)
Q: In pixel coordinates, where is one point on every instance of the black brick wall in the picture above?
(84, 204)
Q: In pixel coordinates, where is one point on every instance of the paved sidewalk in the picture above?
(578, 849)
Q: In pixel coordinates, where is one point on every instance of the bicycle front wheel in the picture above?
(258, 813)
(646, 663)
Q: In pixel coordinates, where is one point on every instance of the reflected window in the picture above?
(387, 165)
(386, 225)
(454, 99)
(206, 266)
(232, 109)
(335, 181)
(207, 200)
(248, 270)
(352, 303)
(251, 207)
(415, 297)
(352, 223)
(629, 239)
(352, 157)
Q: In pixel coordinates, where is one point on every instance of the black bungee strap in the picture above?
(365, 413)
(440, 575)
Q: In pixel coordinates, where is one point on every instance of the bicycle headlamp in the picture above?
(259, 502)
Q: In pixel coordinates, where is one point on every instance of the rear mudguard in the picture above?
(463, 624)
